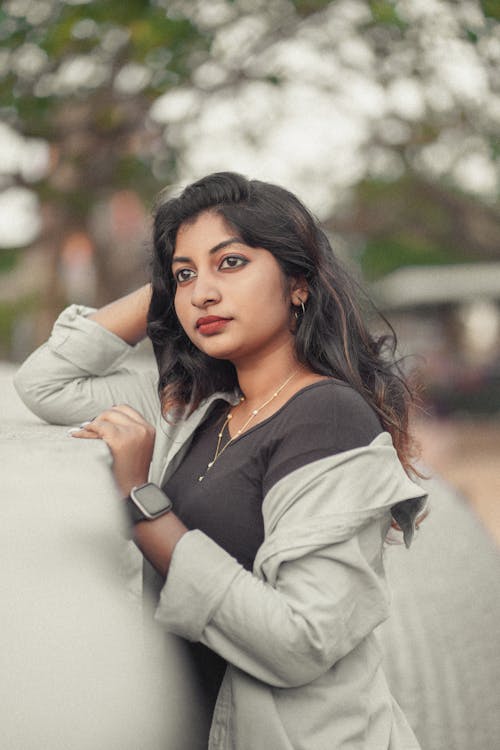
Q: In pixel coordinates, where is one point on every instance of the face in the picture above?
(232, 300)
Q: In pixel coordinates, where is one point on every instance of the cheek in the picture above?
(273, 299)
(265, 286)
(183, 320)
(178, 302)
(180, 308)
(268, 310)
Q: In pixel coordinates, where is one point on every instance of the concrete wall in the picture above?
(77, 669)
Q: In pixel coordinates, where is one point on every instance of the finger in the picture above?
(79, 432)
(130, 411)
(95, 428)
(118, 417)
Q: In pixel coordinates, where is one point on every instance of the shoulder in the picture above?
(336, 404)
(323, 419)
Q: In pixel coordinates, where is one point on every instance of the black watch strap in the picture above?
(133, 511)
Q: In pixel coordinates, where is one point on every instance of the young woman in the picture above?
(280, 459)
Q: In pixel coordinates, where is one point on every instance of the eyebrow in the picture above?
(214, 249)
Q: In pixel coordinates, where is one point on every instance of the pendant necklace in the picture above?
(218, 450)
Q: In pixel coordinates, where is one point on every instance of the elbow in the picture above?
(36, 396)
(305, 656)
(314, 647)
(295, 671)
(26, 386)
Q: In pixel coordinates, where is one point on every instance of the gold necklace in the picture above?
(218, 450)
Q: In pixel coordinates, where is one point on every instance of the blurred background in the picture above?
(382, 115)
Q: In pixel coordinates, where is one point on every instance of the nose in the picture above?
(204, 292)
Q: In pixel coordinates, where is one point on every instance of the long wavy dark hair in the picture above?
(331, 337)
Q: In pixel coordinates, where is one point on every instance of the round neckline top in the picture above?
(292, 398)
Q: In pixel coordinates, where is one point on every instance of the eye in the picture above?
(233, 261)
(183, 274)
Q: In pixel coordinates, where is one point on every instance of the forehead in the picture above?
(202, 233)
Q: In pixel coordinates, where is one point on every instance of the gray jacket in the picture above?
(297, 632)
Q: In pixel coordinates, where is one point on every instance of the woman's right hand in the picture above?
(129, 437)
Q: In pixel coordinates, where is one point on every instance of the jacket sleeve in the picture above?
(79, 372)
(318, 587)
(322, 604)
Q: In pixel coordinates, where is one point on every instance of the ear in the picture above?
(299, 291)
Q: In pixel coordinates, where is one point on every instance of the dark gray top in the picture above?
(320, 420)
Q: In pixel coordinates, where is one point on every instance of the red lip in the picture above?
(211, 324)
(210, 319)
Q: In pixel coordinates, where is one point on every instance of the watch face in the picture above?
(151, 499)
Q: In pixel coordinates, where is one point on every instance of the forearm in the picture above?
(126, 316)
(157, 540)
(79, 372)
(287, 634)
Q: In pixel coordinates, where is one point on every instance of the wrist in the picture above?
(157, 540)
(147, 502)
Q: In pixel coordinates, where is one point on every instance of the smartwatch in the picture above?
(147, 502)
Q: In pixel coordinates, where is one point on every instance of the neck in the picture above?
(258, 380)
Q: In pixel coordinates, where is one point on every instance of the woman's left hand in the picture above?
(130, 439)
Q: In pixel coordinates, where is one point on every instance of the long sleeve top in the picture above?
(304, 667)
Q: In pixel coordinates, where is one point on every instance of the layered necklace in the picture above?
(219, 450)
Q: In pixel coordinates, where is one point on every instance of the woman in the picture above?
(276, 469)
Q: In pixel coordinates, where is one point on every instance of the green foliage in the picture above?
(383, 255)
(404, 202)
(384, 12)
(491, 8)
(415, 222)
(131, 170)
(306, 7)
(162, 43)
(99, 133)
(147, 25)
(10, 312)
(100, 140)
(8, 259)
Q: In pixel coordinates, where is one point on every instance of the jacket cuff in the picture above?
(73, 332)
(199, 576)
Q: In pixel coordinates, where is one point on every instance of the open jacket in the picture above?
(304, 668)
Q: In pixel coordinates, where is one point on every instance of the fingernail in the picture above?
(84, 424)
(72, 430)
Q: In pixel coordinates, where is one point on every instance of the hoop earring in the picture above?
(296, 313)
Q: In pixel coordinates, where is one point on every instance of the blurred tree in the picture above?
(442, 207)
(383, 114)
(82, 76)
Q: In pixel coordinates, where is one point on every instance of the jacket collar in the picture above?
(173, 439)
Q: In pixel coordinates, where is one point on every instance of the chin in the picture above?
(218, 350)
(214, 353)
